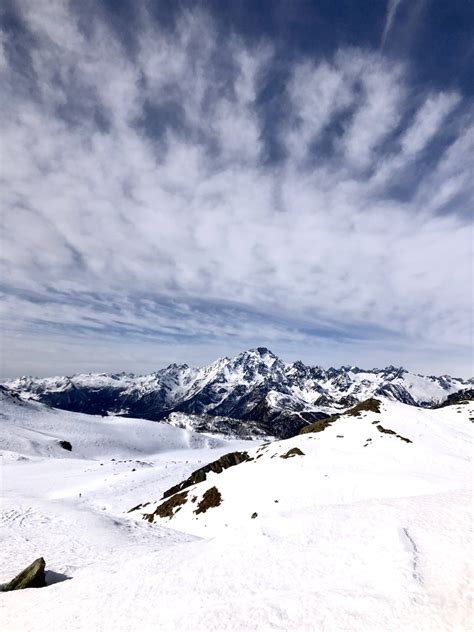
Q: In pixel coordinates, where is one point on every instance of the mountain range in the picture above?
(252, 394)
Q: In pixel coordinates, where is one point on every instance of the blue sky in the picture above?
(183, 180)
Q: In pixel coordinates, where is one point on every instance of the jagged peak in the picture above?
(256, 355)
(264, 351)
(391, 368)
(176, 367)
(388, 369)
(258, 351)
(298, 364)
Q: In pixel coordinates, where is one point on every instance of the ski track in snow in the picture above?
(414, 554)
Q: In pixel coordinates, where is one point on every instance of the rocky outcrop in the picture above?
(211, 498)
(319, 426)
(200, 475)
(369, 405)
(32, 576)
(291, 453)
(389, 431)
(168, 508)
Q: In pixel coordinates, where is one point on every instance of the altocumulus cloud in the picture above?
(164, 201)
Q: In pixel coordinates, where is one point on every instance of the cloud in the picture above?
(428, 121)
(390, 14)
(140, 209)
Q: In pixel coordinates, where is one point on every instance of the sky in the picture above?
(180, 181)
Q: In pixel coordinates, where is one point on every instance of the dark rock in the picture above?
(369, 405)
(254, 515)
(200, 475)
(31, 577)
(65, 445)
(211, 498)
(392, 432)
(319, 426)
(168, 508)
(292, 452)
(137, 507)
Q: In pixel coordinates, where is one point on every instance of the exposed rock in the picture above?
(31, 577)
(369, 405)
(65, 445)
(168, 508)
(392, 432)
(137, 507)
(292, 452)
(211, 498)
(320, 425)
(200, 475)
(254, 515)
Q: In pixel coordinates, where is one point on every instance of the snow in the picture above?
(365, 536)
(422, 388)
(35, 429)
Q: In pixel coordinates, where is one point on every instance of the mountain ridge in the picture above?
(255, 387)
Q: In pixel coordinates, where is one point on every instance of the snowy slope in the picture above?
(362, 538)
(33, 429)
(255, 386)
(351, 460)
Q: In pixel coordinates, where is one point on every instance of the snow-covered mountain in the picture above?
(379, 449)
(255, 386)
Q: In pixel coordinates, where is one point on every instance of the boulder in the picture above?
(31, 577)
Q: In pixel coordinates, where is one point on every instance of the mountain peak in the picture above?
(394, 369)
(176, 367)
(256, 354)
(262, 351)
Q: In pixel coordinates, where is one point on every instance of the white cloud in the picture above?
(379, 109)
(428, 121)
(390, 14)
(318, 92)
(189, 213)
